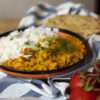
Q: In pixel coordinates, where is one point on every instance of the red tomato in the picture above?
(98, 65)
(80, 94)
(77, 91)
(75, 81)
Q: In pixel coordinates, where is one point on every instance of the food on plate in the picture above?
(83, 25)
(40, 50)
(85, 86)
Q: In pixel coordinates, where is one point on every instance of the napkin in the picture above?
(36, 14)
(95, 41)
(12, 87)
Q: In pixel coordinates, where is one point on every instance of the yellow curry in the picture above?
(62, 51)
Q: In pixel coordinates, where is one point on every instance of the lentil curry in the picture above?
(62, 51)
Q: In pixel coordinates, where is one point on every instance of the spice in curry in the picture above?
(62, 51)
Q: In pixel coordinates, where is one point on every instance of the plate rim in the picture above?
(69, 70)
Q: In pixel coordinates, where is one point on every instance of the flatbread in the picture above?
(83, 25)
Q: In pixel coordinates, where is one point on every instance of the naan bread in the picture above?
(83, 25)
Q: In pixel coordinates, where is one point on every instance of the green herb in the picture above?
(88, 87)
(66, 45)
(63, 44)
(27, 43)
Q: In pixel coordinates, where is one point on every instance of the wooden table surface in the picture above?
(8, 24)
